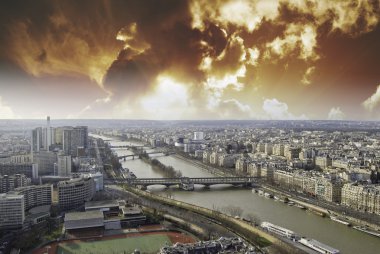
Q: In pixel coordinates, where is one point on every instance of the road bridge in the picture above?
(137, 153)
(187, 183)
(126, 146)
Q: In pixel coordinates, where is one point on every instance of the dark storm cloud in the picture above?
(286, 49)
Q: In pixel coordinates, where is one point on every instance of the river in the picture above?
(305, 223)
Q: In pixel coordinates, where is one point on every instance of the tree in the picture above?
(233, 210)
(254, 219)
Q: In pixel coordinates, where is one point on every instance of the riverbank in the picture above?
(318, 210)
(322, 211)
(203, 166)
(253, 235)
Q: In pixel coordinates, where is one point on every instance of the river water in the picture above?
(337, 235)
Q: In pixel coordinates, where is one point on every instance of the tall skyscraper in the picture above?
(74, 138)
(37, 143)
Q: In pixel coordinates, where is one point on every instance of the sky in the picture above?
(177, 60)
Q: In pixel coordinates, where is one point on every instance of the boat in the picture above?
(284, 232)
(318, 246)
(300, 206)
(255, 190)
(340, 221)
(261, 192)
(276, 198)
(366, 230)
(291, 203)
(268, 195)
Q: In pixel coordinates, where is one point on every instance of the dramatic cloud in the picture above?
(277, 110)
(233, 109)
(372, 102)
(198, 58)
(335, 114)
(5, 111)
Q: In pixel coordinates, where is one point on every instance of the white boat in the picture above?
(261, 192)
(300, 206)
(276, 198)
(278, 230)
(268, 195)
(366, 230)
(340, 221)
(318, 246)
(291, 203)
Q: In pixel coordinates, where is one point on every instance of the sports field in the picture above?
(145, 244)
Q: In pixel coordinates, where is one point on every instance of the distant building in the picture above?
(323, 162)
(45, 161)
(64, 165)
(74, 138)
(198, 135)
(10, 182)
(12, 168)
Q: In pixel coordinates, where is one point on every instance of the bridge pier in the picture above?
(186, 186)
(206, 186)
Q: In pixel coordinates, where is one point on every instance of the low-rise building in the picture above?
(84, 220)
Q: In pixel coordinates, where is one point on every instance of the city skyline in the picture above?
(275, 60)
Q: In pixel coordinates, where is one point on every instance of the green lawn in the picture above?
(145, 244)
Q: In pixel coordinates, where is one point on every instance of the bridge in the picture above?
(137, 155)
(187, 183)
(126, 146)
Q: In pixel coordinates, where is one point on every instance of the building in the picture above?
(198, 135)
(9, 183)
(291, 152)
(84, 220)
(365, 198)
(323, 162)
(108, 207)
(268, 148)
(132, 216)
(45, 161)
(75, 192)
(278, 149)
(11, 169)
(241, 165)
(64, 165)
(12, 214)
(36, 140)
(74, 138)
(96, 176)
(226, 160)
(36, 195)
(328, 189)
(21, 159)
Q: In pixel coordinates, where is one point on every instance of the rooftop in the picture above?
(83, 215)
(101, 204)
